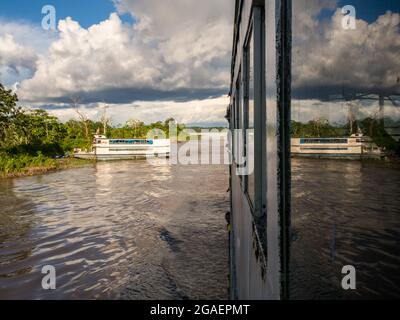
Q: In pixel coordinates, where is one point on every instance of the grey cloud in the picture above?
(330, 60)
(206, 111)
(130, 95)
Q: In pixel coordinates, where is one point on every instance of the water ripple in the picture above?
(115, 230)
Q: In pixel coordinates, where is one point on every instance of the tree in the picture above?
(8, 112)
(105, 119)
(319, 125)
(168, 121)
(8, 103)
(134, 124)
(44, 128)
(84, 119)
(316, 128)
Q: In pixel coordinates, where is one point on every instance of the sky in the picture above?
(155, 59)
(146, 59)
(368, 10)
(87, 12)
(330, 61)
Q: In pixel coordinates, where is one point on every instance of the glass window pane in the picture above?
(345, 173)
(239, 125)
(233, 119)
(241, 122)
(250, 131)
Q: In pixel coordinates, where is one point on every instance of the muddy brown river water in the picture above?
(131, 230)
(123, 229)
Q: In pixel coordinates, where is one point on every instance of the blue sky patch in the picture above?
(367, 10)
(87, 12)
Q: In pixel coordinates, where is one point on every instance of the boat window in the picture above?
(236, 131)
(242, 129)
(128, 150)
(345, 201)
(233, 124)
(237, 111)
(131, 141)
(249, 63)
(323, 141)
(323, 149)
(238, 136)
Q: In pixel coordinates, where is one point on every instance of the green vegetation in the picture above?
(33, 141)
(23, 164)
(318, 128)
(376, 130)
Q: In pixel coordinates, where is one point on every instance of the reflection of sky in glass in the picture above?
(336, 112)
(368, 10)
(251, 84)
(352, 79)
(335, 70)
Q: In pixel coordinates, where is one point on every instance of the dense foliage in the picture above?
(33, 132)
(319, 128)
(33, 138)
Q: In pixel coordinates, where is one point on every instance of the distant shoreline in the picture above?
(52, 165)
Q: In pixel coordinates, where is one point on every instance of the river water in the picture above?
(116, 230)
(131, 230)
(345, 213)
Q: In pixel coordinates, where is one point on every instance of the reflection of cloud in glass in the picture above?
(337, 112)
(328, 59)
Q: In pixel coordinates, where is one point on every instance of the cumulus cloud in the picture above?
(324, 53)
(21, 44)
(28, 34)
(172, 46)
(179, 50)
(332, 64)
(15, 56)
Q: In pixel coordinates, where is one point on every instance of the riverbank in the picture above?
(25, 165)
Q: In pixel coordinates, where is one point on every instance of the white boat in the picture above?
(355, 146)
(119, 149)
